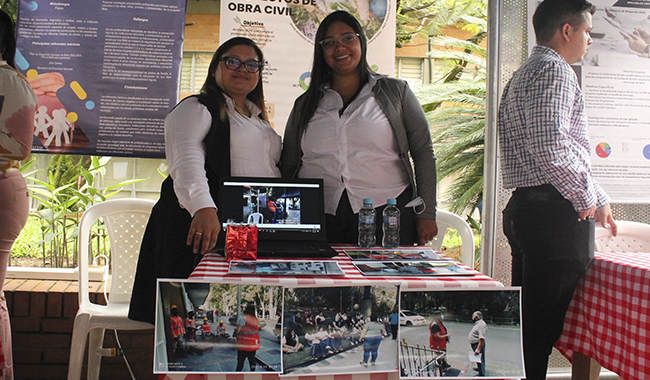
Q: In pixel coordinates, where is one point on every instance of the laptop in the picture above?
(289, 214)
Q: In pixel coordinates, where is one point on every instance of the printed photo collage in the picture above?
(221, 327)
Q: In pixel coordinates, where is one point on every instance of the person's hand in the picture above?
(604, 217)
(635, 42)
(204, 230)
(643, 34)
(47, 84)
(426, 229)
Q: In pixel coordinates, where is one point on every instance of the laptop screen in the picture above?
(290, 210)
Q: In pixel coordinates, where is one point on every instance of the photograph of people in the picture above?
(221, 132)
(461, 333)
(477, 340)
(17, 109)
(247, 333)
(356, 130)
(239, 329)
(340, 344)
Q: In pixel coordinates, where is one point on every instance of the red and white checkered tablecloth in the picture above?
(609, 316)
(215, 267)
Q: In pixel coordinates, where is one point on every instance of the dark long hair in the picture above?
(321, 73)
(211, 88)
(7, 39)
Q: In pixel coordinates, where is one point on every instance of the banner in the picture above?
(106, 73)
(285, 32)
(615, 78)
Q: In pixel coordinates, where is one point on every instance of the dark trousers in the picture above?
(550, 253)
(343, 228)
(481, 365)
(242, 356)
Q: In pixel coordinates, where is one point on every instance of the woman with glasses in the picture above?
(221, 132)
(359, 130)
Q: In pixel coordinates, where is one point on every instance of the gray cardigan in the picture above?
(411, 131)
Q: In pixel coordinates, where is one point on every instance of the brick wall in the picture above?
(42, 317)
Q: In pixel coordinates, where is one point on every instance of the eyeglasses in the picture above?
(251, 66)
(331, 43)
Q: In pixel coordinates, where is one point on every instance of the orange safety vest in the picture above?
(205, 328)
(435, 343)
(248, 338)
(177, 326)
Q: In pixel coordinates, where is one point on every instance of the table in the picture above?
(214, 266)
(609, 317)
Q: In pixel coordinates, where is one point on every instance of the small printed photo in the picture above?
(340, 330)
(461, 333)
(208, 328)
(402, 254)
(411, 268)
(285, 268)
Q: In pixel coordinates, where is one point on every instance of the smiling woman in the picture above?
(356, 129)
(221, 132)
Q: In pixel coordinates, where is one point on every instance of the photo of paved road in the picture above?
(503, 355)
(451, 330)
(349, 361)
(211, 354)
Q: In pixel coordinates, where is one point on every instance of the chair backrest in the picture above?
(631, 237)
(446, 220)
(255, 218)
(126, 220)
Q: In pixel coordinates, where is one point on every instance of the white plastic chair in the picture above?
(631, 237)
(446, 220)
(255, 218)
(125, 220)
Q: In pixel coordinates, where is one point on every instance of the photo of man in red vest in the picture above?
(439, 336)
(248, 338)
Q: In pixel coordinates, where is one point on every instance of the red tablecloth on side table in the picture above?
(609, 316)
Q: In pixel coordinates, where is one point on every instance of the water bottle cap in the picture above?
(391, 201)
(367, 201)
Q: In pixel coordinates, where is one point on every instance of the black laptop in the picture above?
(289, 214)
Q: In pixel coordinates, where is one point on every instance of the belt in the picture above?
(544, 192)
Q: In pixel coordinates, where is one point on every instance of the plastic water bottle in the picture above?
(391, 225)
(367, 224)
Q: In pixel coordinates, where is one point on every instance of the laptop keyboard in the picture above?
(293, 249)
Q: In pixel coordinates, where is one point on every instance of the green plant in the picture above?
(455, 103)
(70, 190)
(10, 7)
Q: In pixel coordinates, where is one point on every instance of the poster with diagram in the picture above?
(106, 73)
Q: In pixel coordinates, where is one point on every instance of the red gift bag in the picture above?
(241, 242)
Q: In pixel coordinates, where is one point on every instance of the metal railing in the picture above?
(420, 361)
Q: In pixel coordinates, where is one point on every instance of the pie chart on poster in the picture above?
(646, 152)
(603, 150)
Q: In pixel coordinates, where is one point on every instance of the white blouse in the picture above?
(356, 151)
(255, 149)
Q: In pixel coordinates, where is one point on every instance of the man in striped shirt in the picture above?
(545, 156)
